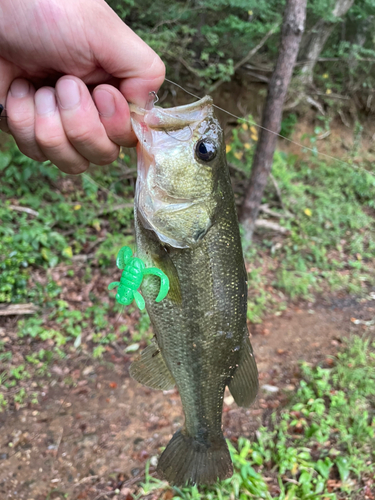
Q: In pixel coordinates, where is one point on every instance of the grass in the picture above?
(328, 209)
(320, 446)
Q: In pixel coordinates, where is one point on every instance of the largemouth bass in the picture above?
(186, 225)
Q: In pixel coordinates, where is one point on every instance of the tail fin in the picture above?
(186, 461)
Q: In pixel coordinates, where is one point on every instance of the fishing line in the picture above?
(314, 151)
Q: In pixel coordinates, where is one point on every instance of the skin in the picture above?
(67, 72)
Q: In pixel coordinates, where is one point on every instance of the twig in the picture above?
(95, 243)
(278, 191)
(316, 104)
(266, 69)
(333, 96)
(85, 480)
(84, 257)
(343, 118)
(59, 442)
(324, 135)
(365, 59)
(271, 225)
(26, 210)
(250, 54)
(262, 78)
(188, 67)
(293, 481)
(18, 309)
(265, 209)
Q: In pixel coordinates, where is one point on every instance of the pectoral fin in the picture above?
(151, 370)
(244, 385)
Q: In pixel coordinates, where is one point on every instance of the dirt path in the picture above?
(93, 438)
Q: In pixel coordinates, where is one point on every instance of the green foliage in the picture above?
(67, 214)
(203, 38)
(288, 124)
(206, 39)
(327, 209)
(325, 434)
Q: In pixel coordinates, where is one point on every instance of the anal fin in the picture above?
(150, 369)
(244, 384)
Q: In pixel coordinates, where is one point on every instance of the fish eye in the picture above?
(205, 150)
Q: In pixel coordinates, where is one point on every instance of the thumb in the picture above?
(122, 54)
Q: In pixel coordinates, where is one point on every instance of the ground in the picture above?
(89, 440)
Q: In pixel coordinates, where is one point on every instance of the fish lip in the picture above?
(193, 106)
(177, 110)
(175, 118)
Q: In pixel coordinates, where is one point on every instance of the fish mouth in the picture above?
(175, 118)
(166, 139)
(149, 123)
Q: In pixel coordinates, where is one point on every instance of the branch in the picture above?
(26, 210)
(278, 190)
(17, 309)
(188, 67)
(316, 104)
(262, 78)
(332, 96)
(250, 54)
(265, 209)
(271, 225)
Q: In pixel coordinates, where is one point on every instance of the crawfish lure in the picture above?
(132, 276)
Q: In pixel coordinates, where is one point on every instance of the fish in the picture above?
(186, 225)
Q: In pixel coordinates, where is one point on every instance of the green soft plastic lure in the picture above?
(132, 277)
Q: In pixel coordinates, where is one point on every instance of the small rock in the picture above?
(154, 461)
(3, 456)
(270, 388)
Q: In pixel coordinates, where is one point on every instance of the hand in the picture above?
(52, 52)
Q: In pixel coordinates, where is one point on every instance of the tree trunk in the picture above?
(317, 38)
(291, 33)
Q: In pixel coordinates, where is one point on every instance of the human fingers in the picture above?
(8, 73)
(115, 115)
(20, 111)
(81, 122)
(121, 53)
(51, 137)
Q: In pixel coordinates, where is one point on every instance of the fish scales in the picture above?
(201, 338)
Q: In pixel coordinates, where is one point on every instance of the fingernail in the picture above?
(105, 103)
(68, 93)
(19, 88)
(45, 102)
